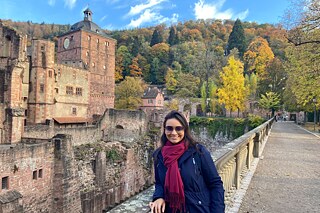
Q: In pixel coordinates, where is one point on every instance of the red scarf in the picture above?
(173, 185)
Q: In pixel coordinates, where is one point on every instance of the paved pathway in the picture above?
(287, 177)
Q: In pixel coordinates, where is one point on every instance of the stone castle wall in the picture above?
(29, 169)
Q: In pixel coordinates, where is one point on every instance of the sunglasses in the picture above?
(176, 128)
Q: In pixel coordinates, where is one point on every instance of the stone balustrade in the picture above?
(234, 159)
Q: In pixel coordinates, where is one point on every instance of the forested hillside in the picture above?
(225, 64)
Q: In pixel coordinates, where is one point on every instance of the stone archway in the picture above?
(186, 102)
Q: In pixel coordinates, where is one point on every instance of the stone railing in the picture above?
(232, 161)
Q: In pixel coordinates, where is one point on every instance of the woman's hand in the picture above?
(157, 206)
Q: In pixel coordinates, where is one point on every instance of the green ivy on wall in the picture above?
(230, 127)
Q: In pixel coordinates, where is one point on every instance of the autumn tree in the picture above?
(123, 61)
(128, 93)
(303, 72)
(160, 51)
(275, 78)
(135, 70)
(172, 104)
(187, 86)
(270, 101)
(145, 67)
(251, 82)
(237, 39)
(257, 57)
(171, 82)
(302, 22)
(251, 85)
(232, 93)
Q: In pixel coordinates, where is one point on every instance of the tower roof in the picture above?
(87, 24)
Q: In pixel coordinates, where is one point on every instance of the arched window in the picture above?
(43, 60)
(119, 127)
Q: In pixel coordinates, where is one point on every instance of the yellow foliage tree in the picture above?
(171, 82)
(258, 55)
(233, 91)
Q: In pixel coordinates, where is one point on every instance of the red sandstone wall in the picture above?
(18, 163)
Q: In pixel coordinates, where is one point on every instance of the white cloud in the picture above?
(70, 3)
(141, 7)
(146, 17)
(103, 18)
(171, 20)
(150, 16)
(212, 10)
(51, 2)
(242, 15)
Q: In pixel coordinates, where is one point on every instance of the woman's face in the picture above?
(174, 130)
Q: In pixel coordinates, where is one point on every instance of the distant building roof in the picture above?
(70, 120)
(151, 92)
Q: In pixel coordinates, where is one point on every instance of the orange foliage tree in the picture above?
(258, 55)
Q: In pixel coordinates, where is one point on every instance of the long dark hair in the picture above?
(181, 118)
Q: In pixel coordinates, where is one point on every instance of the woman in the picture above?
(186, 179)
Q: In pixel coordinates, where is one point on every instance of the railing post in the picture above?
(238, 171)
(256, 147)
(249, 148)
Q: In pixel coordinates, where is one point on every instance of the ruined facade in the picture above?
(47, 165)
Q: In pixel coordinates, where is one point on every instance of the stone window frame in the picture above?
(69, 90)
(35, 175)
(106, 43)
(40, 173)
(74, 111)
(41, 88)
(5, 182)
(150, 101)
(79, 91)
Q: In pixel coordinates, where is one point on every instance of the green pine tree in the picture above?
(156, 38)
(173, 36)
(237, 39)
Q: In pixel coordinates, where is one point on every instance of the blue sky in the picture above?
(124, 14)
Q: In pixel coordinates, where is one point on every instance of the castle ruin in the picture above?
(63, 148)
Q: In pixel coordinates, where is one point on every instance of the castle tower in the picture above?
(42, 81)
(14, 79)
(87, 46)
